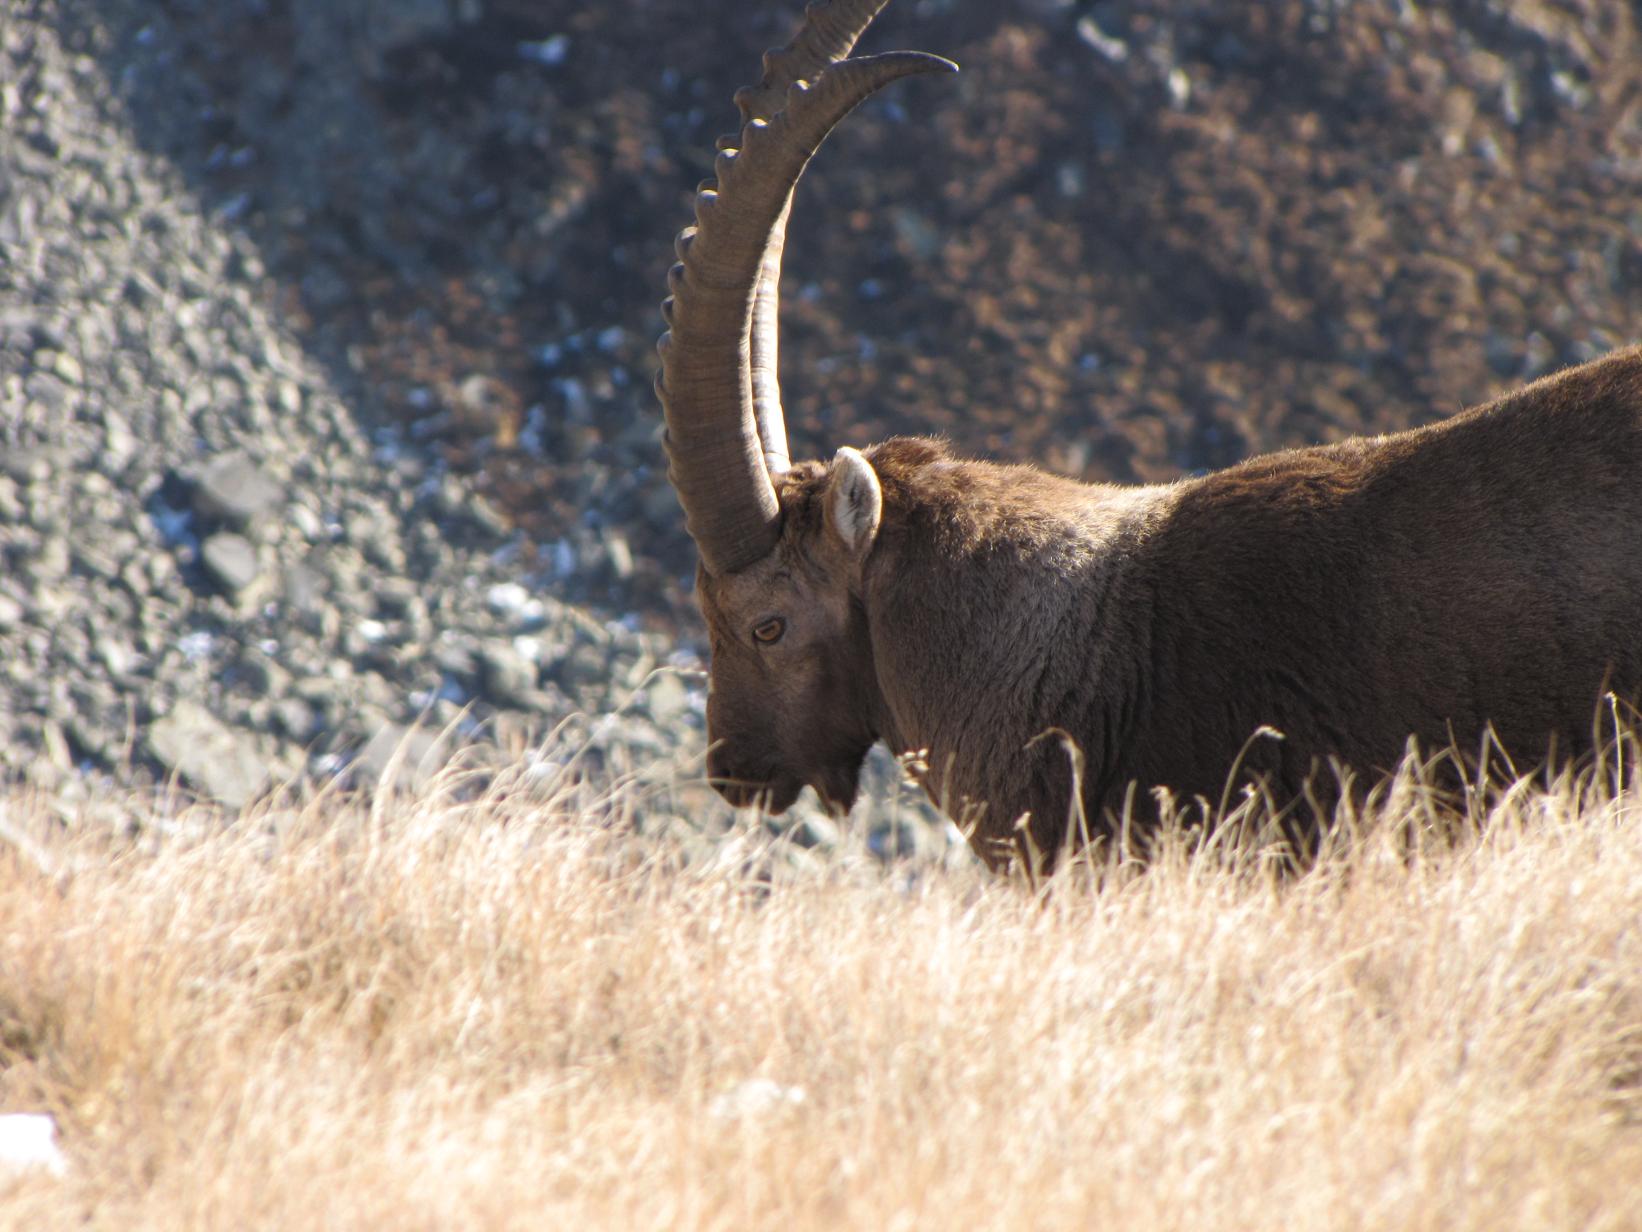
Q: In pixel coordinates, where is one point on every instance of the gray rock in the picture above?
(199, 748)
(506, 675)
(585, 665)
(66, 367)
(401, 757)
(48, 391)
(11, 508)
(116, 655)
(27, 466)
(258, 673)
(234, 489)
(296, 719)
(399, 598)
(458, 657)
(231, 561)
(490, 520)
(304, 592)
(668, 698)
(620, 554)
(57, 751)
(94, 738)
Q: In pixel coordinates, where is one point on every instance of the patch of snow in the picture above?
(28, 1141)
(755, 1097)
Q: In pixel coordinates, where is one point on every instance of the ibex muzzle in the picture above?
(1478, 578)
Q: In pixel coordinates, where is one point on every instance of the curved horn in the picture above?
(831, 28)
(715, 445)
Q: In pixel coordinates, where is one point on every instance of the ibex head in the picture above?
(781, 547)
(793, 692)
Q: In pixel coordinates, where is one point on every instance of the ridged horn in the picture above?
(715, 444)
(831, 29)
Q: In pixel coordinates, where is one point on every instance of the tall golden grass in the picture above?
(513, 1011)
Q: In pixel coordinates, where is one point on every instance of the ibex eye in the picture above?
(770, 630)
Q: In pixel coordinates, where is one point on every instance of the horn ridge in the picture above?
(830, 31)
(725, 437)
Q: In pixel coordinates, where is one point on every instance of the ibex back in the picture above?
(1479, 578)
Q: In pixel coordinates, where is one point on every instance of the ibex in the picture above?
(1479, 578)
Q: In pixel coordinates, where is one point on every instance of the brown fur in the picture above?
(1484, 572)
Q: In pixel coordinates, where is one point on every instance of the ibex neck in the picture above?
(995, 596)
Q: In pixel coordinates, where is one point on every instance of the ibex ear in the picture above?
(855, 502)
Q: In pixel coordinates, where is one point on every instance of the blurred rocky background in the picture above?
(326, 326)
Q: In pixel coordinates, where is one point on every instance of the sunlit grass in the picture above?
(515, 1010)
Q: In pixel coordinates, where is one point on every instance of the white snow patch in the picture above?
(28, 1141)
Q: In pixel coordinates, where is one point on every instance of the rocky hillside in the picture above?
(217, 565)
(326, 325)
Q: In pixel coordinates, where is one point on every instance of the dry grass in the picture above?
(509, 1013)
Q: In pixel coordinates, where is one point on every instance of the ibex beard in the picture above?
(1293, 616)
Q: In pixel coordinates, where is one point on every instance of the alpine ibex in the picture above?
(1480, 574)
